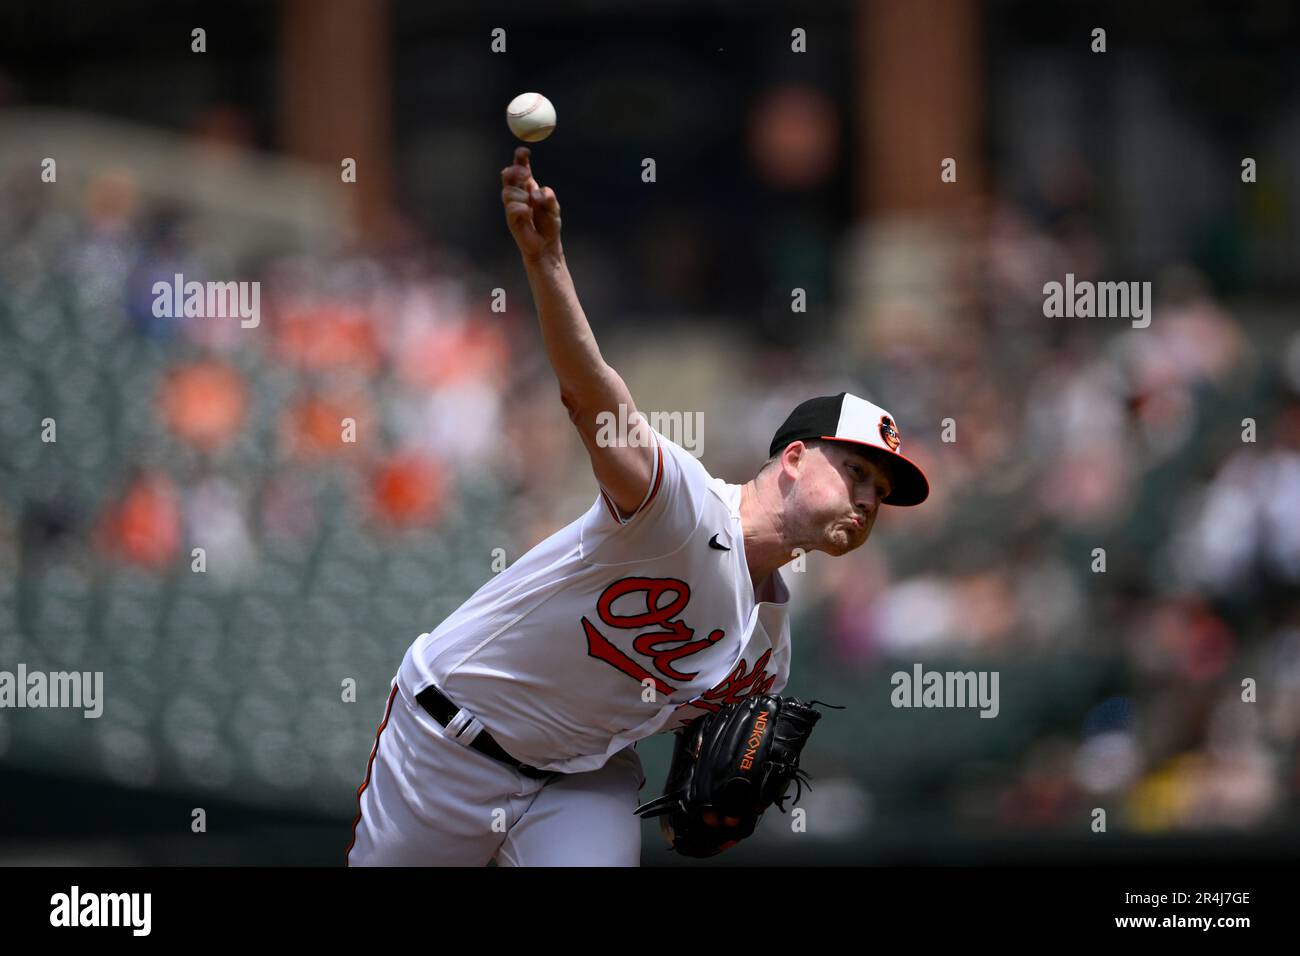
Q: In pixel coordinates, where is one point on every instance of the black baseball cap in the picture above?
(855, 421)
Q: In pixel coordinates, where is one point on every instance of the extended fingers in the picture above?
(518, 210)
(519, 173)
(519, 170)
(522, 154)
(523, 197)
(540, 198)
(519, 200)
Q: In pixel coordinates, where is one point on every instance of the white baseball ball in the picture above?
(531, 117)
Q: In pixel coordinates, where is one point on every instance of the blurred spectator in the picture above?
(144, 525)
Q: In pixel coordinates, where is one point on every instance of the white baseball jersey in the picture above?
(555, 655)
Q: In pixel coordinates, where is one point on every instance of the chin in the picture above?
(855, 538)
(841, 542)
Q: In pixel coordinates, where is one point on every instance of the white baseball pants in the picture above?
(429, 800)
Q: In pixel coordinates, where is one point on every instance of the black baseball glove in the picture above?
(730, 766)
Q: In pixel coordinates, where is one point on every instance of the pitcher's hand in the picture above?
(532, 211)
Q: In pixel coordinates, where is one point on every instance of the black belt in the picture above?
(442, 710)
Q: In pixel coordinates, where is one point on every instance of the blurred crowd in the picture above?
(1128, 496)
(285, 505)
(1121, 498)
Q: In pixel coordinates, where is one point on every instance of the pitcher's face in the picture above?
(835, 497)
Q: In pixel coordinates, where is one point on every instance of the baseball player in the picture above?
(510, 729)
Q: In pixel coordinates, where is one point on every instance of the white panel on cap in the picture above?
(860, 421)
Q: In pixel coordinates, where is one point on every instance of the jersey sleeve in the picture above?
(668, 513)
(651, 492)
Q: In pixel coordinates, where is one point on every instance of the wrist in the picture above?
(547, 260)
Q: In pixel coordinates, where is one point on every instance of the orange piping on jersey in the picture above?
(658, 481)
(659, 477)
(369, 765)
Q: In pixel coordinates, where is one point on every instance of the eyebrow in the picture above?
(882, 479)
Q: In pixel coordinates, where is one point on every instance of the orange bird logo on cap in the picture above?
(889, 433)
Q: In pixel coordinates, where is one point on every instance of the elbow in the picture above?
(571, 404)
(588, 397)
(581, 408)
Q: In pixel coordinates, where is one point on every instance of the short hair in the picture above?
(823, 443)
(808, 443)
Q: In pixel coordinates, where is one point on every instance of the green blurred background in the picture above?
(776, 170)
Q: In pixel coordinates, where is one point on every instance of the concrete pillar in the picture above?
(335, 96)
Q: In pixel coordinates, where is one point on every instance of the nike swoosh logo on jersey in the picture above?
(713, 543)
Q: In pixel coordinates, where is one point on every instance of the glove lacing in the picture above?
(799, 776)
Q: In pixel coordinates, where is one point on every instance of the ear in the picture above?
(792, 459)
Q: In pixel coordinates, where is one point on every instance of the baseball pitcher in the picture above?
(510, 729)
